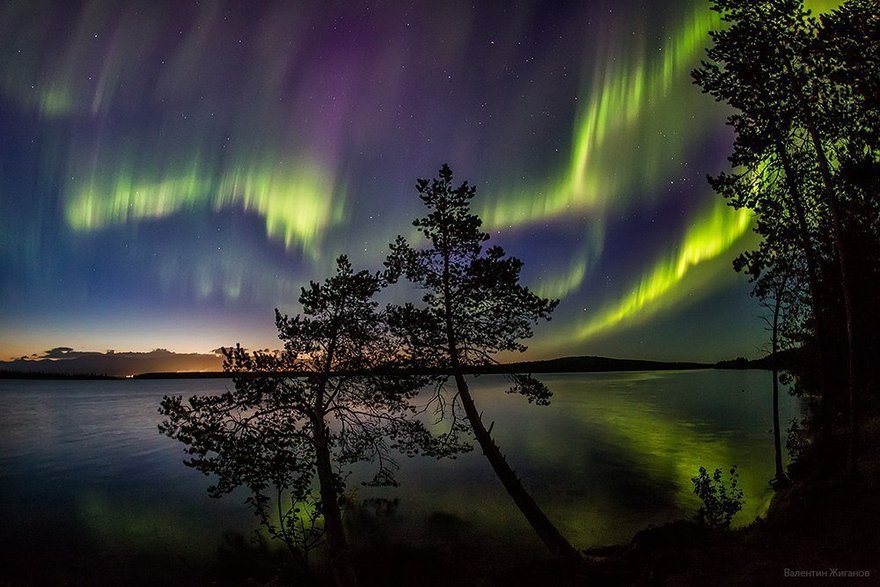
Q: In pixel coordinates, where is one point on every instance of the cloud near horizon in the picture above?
(69, 361)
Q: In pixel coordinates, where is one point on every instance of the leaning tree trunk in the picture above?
(340, 554)
(541, 524)
(547, 532)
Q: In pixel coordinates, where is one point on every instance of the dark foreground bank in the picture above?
(820, 527)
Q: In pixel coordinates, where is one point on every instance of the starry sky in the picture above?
(171, 171)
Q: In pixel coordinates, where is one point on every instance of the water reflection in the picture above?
(82, 462)
(612, 453)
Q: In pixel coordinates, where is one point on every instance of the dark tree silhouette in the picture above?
(772, 179)
(779, 294)
(806, 162)
(474, 307)
(308, 412)
(845, 51)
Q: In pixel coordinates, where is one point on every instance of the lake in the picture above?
(89, 488)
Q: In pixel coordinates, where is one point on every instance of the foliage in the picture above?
(307, 413)
(721, 500)
(797, 439)
(261, 448)
(473, 307)
(473, 303)
(806, 160)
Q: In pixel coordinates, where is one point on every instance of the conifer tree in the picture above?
(473, 306)
(306, 413)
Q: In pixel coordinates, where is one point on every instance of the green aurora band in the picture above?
(628, 134)
(298, 202)
(636, 112)
(632, 133)
(261, 164)
(710, 236)
(640, 117)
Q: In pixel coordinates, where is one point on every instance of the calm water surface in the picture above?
(86, 480)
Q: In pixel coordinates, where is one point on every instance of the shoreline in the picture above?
(587, 364)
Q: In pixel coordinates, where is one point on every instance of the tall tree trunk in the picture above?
(777, 444)
(807, 107)
(846, 284)
(797, 202)
(340, 554)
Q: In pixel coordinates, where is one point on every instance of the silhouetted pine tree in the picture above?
(311, 410)
(473, 307)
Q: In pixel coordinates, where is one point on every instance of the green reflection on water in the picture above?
(672, 451)
(612, 453)
(117, 524)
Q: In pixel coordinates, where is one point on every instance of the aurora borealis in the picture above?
(171, 171)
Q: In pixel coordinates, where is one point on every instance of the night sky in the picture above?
(171, 171)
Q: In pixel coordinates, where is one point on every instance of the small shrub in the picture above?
(721, 500)
(798, 439)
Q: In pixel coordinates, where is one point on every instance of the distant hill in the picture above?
(786, 359)
(561, 365)
(117, 365)
(591, 364)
